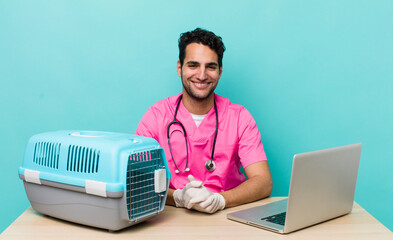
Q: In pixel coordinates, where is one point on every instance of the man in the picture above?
(206, 138)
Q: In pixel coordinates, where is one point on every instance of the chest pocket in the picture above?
(226, 152)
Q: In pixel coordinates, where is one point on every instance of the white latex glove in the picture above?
(193, 192)
(179, 194)
(207, 201)
(203, 200)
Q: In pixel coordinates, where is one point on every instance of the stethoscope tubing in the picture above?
(210, 164)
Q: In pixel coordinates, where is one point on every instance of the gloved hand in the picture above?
(203, 200)
(179, 194)
(212, 202)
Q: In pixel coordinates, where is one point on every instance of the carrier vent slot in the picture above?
(82, 159)
(142, 200)
(47, 154)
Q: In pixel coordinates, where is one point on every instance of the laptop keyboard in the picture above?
(277, 219)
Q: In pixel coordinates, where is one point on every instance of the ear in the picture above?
(178, 68)
(220, 72)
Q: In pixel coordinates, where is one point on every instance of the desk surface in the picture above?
(175, 223)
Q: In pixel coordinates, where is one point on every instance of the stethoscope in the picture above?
(210, 164)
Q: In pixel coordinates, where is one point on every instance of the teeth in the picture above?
(200, 84)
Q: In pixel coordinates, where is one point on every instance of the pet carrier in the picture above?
(101, 179)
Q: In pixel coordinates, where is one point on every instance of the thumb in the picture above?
(191, 178)
(193, 182)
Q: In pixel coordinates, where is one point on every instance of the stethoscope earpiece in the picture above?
(186, 170)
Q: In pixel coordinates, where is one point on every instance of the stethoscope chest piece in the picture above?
(210, 165)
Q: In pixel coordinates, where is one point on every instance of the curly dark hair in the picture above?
(201, 36)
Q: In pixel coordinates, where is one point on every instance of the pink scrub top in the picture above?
(238, 142)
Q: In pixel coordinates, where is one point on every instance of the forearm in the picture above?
(169, 200)
(259, 185)
(249, 191)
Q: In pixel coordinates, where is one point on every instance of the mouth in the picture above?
(201, 85)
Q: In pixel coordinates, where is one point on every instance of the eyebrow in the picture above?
(197, 63)
(192, 63)
(212, 64)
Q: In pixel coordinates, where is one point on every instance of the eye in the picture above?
(192, 65)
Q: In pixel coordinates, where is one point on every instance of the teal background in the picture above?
(314, 74)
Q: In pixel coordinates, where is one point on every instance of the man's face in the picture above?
(200, 72)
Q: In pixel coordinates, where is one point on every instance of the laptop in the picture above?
(322, 187)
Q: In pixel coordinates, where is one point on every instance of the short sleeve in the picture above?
(250, 144)
(147, 127)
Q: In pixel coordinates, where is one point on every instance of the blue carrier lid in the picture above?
(94, 160)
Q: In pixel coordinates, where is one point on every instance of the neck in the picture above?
(198, 107)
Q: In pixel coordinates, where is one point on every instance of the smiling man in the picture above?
(206, 138)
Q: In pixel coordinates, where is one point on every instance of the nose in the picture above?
(202, 74)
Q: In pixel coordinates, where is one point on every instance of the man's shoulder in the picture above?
(166, 103)
(233, 107)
